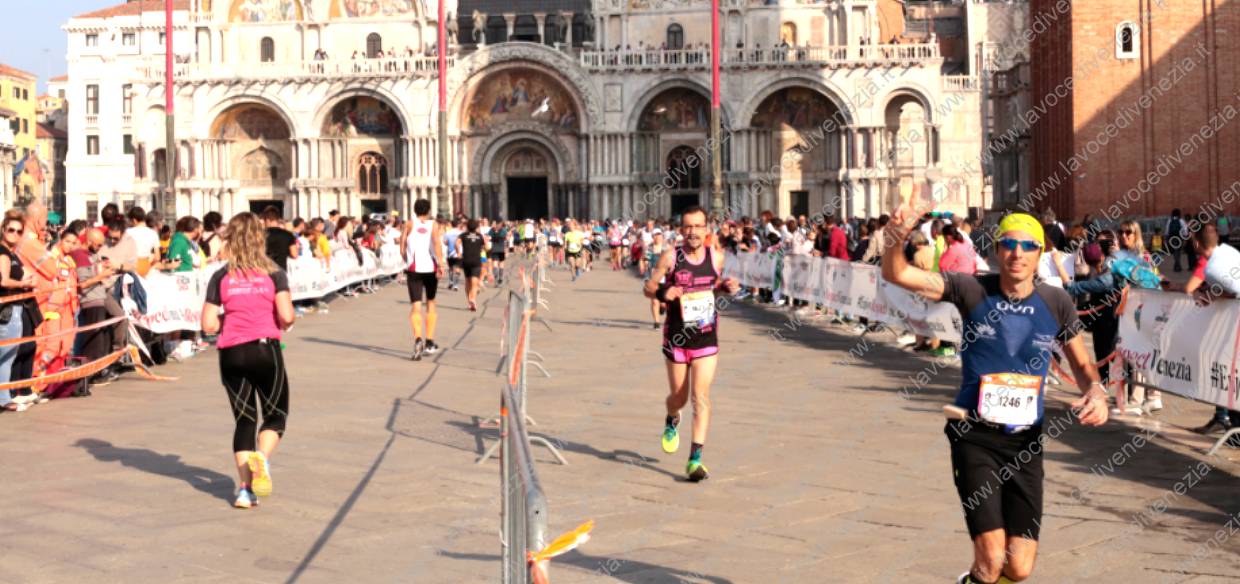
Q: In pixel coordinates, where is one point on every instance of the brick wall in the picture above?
(1133, 120)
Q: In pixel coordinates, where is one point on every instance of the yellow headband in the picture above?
(1024, 223)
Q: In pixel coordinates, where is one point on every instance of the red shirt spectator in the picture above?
(838, 246)
(959, 257)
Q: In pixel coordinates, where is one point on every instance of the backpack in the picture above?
(1175, 228)
(1135, 271)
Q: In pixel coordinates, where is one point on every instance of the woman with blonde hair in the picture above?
(254, 294)
(1131, 241)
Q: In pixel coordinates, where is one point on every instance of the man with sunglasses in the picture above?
(687, 277)
(1011, 325)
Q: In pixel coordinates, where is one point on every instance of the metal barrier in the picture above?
(518, 316)
(524, 503)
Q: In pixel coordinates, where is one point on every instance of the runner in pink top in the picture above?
(248, 303)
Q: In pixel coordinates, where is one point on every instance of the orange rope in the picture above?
(86, 370)
(72, 331)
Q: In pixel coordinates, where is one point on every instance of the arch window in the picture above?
(374, 45)
(372, 174)
(675, 37)
(1127, 41)
(267, 50)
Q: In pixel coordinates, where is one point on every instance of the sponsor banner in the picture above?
(850, 288)
(174, 300)
(1180, 347)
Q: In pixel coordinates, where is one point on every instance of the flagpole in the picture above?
(170, 151)
(716, 202)
(442, 52)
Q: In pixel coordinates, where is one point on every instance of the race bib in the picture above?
(697, 309)
(1009, 399)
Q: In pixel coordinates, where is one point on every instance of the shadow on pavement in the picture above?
(386, 352)
(203, 480)
(605, 323)
(633, 571)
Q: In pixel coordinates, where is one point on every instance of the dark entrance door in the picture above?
(682, 202)
(257, 205)
(370, 206)
(527, 197)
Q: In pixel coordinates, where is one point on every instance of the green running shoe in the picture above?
(696, 471)
(671, 439)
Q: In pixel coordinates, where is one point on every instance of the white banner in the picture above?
(174, 300)
(1180, 347)
(850, 288)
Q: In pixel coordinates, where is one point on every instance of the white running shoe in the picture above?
(1154, 404)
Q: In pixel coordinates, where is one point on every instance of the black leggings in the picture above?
(253, 373)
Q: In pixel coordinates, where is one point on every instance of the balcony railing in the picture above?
(960, 83)
(841, 56)
(325, 69)
(92, 120)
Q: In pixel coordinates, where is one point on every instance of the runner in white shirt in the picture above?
(421, 247)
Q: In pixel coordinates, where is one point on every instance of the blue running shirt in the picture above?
(1003, 335)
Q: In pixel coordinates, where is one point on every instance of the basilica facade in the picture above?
(586, 108)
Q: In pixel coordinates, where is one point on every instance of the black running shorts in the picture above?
(472, 270)
(454, 262)
(998, 478)
(497, 256)
(417, 282)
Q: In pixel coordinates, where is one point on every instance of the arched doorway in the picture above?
(670, 148)
(527, 178)
(259, 151)
(521, 126)
(809, 160)
(367, 131)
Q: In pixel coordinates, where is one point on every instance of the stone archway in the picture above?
(255, 154)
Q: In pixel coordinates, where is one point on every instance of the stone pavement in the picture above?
(829, 464)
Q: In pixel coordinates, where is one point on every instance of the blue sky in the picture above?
(31, 39)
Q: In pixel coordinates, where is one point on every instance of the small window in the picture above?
(1127, 41)
(799, 201)
(374, 45)
(162, 36)
(92, 145)
(129, 39)
(92, 100)
(60, 94)
(25, 126)
(675, 37)
(92, 40)
(127, 99)
(267, 48)
(17, 92)
(127, 143)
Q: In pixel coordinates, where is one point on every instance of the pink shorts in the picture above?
(681, 355)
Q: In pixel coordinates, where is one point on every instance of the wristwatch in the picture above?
(1101, 386)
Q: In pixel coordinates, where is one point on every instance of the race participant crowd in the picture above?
(1032, 284)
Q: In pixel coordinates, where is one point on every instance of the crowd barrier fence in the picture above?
(174, 300)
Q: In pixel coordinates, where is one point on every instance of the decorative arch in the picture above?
(492, 58)
(262, 165)
(515, 94)
(362, 116)
(776, 84)
(916, 92)
(204, 125)
(485, 156)
(649, 95)
(265, 11)
(322, 117)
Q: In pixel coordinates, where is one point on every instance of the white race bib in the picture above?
(1009, 399)
(697, 309)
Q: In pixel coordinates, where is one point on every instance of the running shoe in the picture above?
(260, 471)
(696, 471)
(1154, 404)
(671, 438)
(473, 306)
(245, 499)
(431, 348)
(418, 347)
(943, 352)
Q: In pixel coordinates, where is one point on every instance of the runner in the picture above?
(574, 246)
(1012, 324)
(470, 247)
(650, 256)
(454, 259)
(690, 342)
(254, 292)
(555, 241)
(499, 249)
(527, 237)
(421, 248)
(615, 235)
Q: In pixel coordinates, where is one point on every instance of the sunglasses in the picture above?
(11, 230)
(1126, 231)
(1025, 245)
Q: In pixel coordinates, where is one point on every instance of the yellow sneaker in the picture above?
(671, 439)
(260, 471)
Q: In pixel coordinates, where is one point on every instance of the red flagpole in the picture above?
(441, 49)
(170, 151)
(716, 201)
